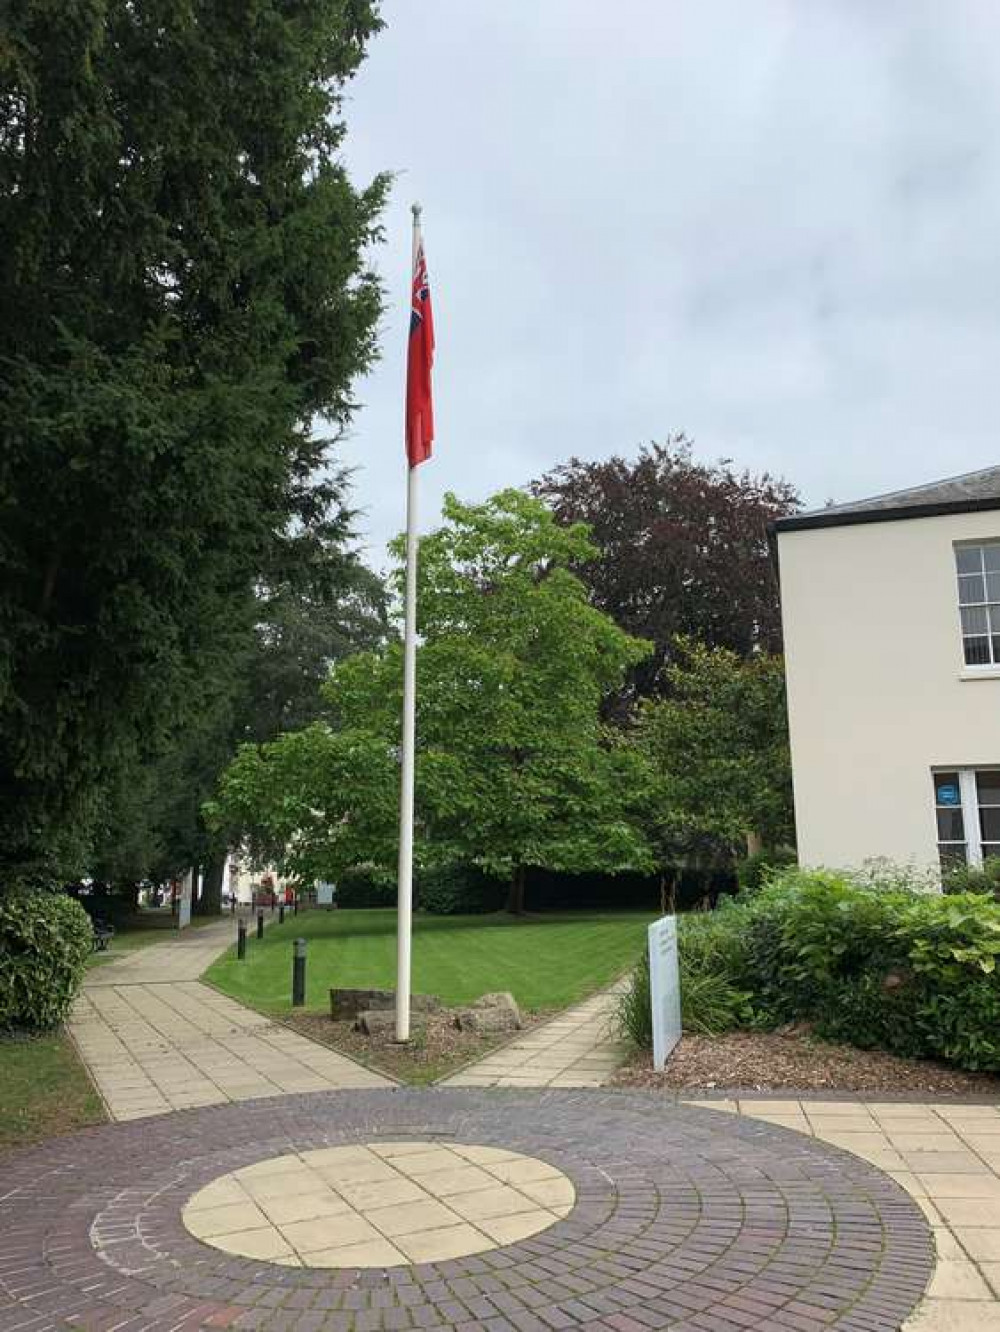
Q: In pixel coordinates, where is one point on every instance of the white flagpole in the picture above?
(404, 928)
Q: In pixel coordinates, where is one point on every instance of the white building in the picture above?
(891, 613)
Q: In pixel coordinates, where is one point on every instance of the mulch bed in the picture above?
(437, 1046)
(797, 1061)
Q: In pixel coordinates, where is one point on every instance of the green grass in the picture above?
(43, 1090)
(545, 961)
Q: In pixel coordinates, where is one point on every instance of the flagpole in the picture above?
(404, 927)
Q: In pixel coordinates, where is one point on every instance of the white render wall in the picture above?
(878, 693)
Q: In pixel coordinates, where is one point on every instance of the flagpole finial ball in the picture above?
(416, 209)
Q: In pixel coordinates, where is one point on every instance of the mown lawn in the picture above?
(43, 1090)
(544, 961)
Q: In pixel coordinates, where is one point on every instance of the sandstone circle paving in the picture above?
(684, 1218)
(380, 1204)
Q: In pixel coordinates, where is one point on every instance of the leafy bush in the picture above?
(45, 939)
(983, 878)
(754, 871)
(912, 973)
(458, 890)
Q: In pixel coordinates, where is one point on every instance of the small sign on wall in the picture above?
(664, 988)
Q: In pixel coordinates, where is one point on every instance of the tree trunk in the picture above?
(515, 897)
(755, 843)
(210, 902)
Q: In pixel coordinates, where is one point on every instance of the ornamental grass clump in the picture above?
(708, 949)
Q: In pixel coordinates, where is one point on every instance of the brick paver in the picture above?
(155, 1039)
(683, 1218)
(947, 1157)
(579, 1048)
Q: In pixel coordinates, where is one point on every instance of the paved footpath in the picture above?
(155, 1039)
(579, 1048)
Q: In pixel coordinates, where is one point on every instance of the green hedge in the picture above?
(459, 890)
(914, 973)
(45, 939)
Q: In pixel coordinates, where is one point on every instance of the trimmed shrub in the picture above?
(363, 888)
(45, 939)
(458, 890)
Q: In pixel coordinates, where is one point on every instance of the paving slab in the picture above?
(578, 1048)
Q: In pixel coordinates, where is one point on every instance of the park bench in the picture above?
(103, 934)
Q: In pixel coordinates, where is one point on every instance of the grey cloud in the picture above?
(772, 226)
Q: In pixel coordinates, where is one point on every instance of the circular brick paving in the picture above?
(685, 1218)
(379, 1204)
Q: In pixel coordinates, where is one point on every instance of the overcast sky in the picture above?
(775, 227)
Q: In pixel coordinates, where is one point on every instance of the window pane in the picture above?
(977, 651)
(991, 558)
(992, 850)
(952, 854)
(988, 786)
(993, 587)
(971, 587)
(946, 789)
(969, 559)
(951, 825)
(974, 620)
(996, 647)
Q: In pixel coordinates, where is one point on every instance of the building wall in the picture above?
(877, 687)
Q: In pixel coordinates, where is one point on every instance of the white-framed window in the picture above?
(967, 809)
(978, 569)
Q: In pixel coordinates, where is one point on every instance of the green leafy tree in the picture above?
(716, 755)
(185, 290)
(322, 605)
(514, 767)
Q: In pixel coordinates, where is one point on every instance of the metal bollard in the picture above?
(260, 924)
(241, 939)
(298, 973)
(281, 915)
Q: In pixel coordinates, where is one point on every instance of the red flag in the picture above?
(419, 359)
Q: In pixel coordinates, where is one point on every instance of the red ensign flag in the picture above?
(419, 359)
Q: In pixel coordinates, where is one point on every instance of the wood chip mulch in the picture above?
(797, 1061)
